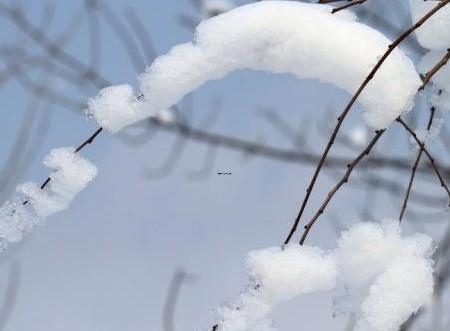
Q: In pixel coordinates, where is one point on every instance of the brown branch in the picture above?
(435, 69)
(427, 153)
(353, 100)
(414, 168)
(343, 180)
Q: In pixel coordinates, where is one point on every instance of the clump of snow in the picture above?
(434, 34)
(397, 293)
(385, 277)
(277, 275)
(71, 173)
(439, 89)
(250, 312)
(115, 107)
(286, 273)
(380, 278)
(305, 40)
(15, 221)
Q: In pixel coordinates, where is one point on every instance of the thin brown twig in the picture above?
(427, 153)
(353, 100)
(414, 168)
(435, 69)
(342, 181)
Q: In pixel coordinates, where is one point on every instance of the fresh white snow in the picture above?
(71, 174)
(305, 40)
(435, 33)
(384, 277)
(380, 277)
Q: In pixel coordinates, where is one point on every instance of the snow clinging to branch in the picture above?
(380, 278)
(305, 40)
(71, 175)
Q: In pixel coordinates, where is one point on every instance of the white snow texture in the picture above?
(384, 278)
(71, 175)
(435, 33)
(305, 40)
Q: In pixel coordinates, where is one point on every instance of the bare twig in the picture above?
(427, 153)
(343, 180)
(430, 74)
(414, 168)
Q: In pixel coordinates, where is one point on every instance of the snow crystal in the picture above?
(439, 89)
(434, 34)
(305, 40)
(71, 175)
(384, 277)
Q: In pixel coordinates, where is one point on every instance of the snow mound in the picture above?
(305, 40)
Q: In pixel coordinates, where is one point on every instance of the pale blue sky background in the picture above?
(105, 264)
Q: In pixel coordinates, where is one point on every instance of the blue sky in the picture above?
(105, 264)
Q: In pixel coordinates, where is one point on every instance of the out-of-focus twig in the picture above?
(10, 296)
(179, 278)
